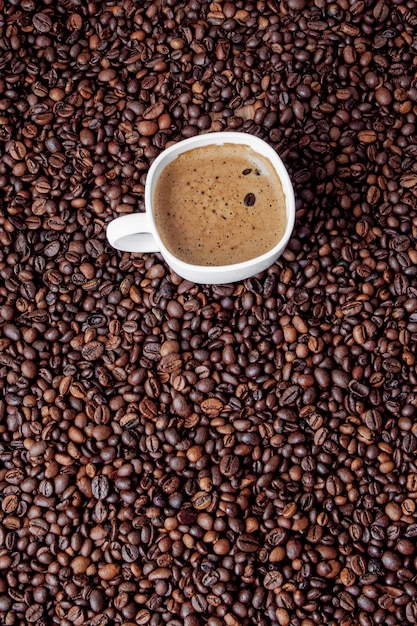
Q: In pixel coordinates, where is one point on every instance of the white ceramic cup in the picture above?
(137, 232)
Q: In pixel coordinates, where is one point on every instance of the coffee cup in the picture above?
(219, 207)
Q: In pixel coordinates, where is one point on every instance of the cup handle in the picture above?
(132, 233)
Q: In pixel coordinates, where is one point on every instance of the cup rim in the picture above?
(219, 138)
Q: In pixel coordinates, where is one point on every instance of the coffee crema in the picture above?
(219, 205)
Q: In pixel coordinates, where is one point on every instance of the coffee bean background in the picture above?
(180, 454)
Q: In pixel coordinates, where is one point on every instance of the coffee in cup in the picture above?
(219, 207)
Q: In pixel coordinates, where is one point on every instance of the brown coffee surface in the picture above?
(219, 205)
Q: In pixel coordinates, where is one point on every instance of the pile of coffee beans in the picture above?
(179, 454)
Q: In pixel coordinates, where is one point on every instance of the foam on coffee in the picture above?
(219, 205)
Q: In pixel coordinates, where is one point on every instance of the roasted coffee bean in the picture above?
(346, 601)
(276, 536)
(411, 611)
(34, 613)
(249, 199)
(92, 350)
(100, 487)
(143, 616)
(247, 543)
(358, 565)
(273, 580)
(130, 553)
(212, 406)
(38, 527)
(42, 22)
(229, 465)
